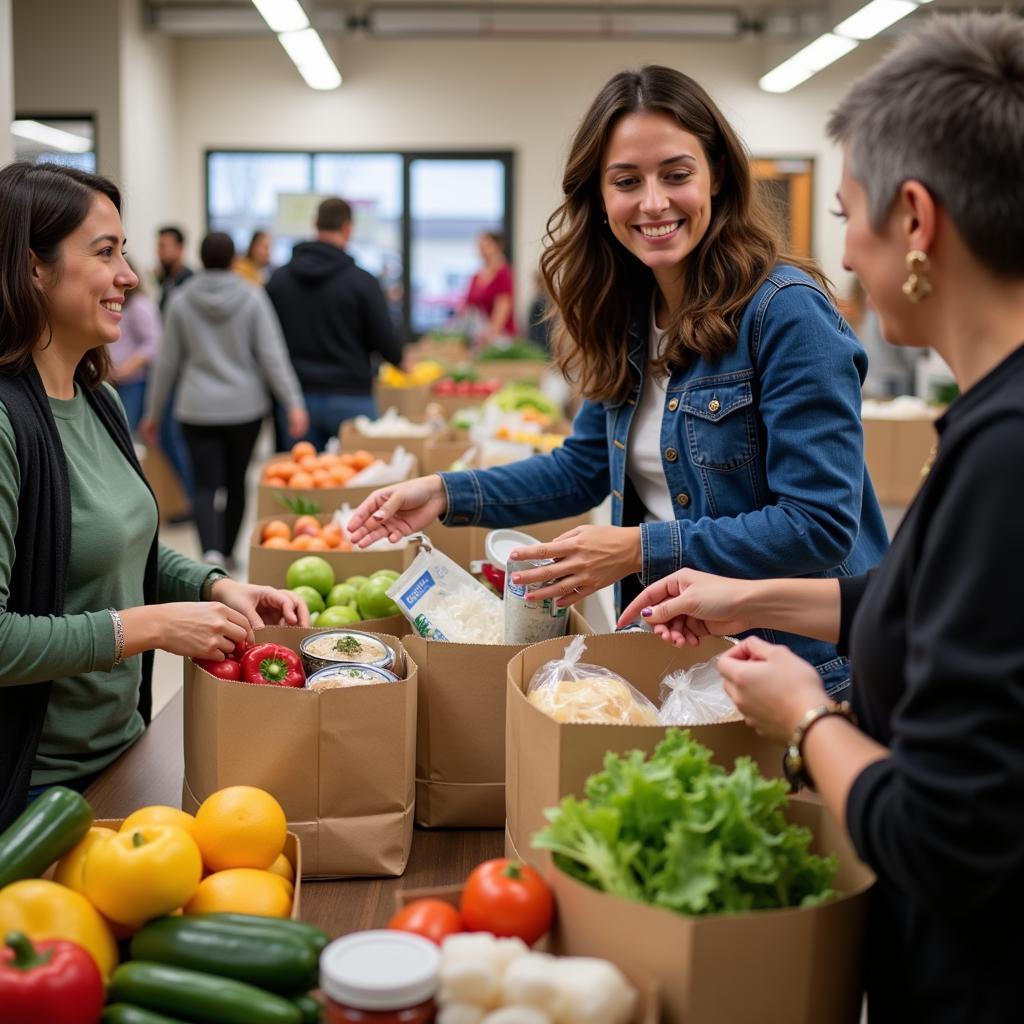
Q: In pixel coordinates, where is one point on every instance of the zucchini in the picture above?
(49, 827)
(310, 933)
(312, 1009)
(272, 958)
(122, 1013)
(205, 998)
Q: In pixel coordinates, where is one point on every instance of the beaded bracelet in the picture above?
(118, 637)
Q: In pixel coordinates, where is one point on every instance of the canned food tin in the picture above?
(344, 646)
(343, 676)
(529, 622)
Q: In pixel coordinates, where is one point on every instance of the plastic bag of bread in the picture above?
(569, 690)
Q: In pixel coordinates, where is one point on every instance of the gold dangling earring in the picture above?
(917, 286)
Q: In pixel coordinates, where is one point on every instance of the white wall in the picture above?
(527, 96)
(6, 81)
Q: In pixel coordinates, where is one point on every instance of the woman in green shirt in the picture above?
(85, 587)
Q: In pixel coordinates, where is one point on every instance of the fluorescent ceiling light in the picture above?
(873, 18)
(55, 138)
(282, 15)
(825, 50)
(309, 55)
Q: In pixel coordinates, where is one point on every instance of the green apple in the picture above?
(388, 574)
(343, 593)
(357, 581)
(314, 602)
(339, 615)
(311, 571)
(314, 616)
(374, 602)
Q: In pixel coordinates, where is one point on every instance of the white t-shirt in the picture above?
(644, 464)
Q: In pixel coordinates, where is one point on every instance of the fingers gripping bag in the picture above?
(443, 602)
(569, 690)
(696, 696)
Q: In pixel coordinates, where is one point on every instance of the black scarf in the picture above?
(39, 575)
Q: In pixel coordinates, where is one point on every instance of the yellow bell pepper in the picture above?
(45, 910)
(69, 868)
(144, 873)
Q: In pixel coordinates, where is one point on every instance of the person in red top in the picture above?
(490, 291)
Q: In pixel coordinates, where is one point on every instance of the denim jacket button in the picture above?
(714, 405)
(682, 499)
(673, 404)
(671, 455)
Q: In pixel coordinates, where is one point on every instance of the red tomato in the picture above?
(241, 646)
(507, 898)
(433, 919)
(226, 669)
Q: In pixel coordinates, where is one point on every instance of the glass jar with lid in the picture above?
(380, 977)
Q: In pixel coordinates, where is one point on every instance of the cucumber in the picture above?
(205, 998)
(312, 1009)
(49, 827)
(122, 1013)
(272, 957)
(316, 938)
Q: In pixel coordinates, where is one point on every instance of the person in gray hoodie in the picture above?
(224, 349)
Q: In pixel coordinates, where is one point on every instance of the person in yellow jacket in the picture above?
(253, 266)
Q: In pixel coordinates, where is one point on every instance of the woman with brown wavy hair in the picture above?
(721, 385)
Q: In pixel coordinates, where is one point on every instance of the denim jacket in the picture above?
(763, 453)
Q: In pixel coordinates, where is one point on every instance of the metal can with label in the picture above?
(529, 622)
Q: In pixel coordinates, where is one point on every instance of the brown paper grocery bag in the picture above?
(546, 760)
(795, 966)
(340, 762)
(460, 730)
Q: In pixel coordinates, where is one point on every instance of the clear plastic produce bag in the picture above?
(569, 690)
(695, 696)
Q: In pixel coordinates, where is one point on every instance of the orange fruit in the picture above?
(285, 468)
(301, 543)
(283, 867)
(240, 827)
(306, 524)
(275, 481)
(277, 528)
(321, 478)
(363, 458)
(301, 481)
(317, 544)
(158, 814)
(242, 891)
(307, 462)
(301, 449)
(280, 543)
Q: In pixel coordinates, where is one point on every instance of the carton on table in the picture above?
(460, 729)
(270, 565)
(546, 760)
(352, 440)
(409, 402)
(793, 966)
(292, 850)
(340, 762)
(269, 500)
(896, 451)
(512, 371)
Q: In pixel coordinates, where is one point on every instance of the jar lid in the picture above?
(380, 970)
(499, 544)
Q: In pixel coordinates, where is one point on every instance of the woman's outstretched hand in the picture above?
(397, 511)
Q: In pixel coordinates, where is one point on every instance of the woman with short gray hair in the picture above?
(928, 774)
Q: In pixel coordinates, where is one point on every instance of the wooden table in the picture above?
(152, 772)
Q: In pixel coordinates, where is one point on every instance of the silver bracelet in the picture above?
(118, 637)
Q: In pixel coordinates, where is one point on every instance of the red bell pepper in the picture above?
(274, 664)
(51, 982)
(226, 669)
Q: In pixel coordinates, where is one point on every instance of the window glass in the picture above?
(56, 140)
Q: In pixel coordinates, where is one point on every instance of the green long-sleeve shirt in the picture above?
(92, 716)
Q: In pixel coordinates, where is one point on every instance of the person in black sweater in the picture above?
(335, 322)
(931, 783)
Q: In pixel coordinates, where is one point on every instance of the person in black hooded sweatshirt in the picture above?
(335, 320)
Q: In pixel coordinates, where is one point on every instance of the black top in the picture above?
(936, 640)
(171, 281)
(334, 319)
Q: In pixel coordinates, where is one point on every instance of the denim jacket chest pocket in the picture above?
(721, 428)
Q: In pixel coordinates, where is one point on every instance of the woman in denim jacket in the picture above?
(721, 385)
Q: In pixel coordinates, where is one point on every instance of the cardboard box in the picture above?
(460, 730)
(409, 402)
(546, 760)
(896, 452)
(448, 351)
(292, 850)
(647, 1008)
(512, 371)
(795, 966)
(352, 440)
(270, 565)
(341, 762)
(269, 499)
(170, 496)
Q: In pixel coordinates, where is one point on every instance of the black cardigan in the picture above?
(39, 575)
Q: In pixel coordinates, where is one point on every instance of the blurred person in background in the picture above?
(540, 325)
(254, 266)
(87, 590)
(489, 301)
(222, 348)
(928, 777)
(132, 354)
(335, 322)
(722, 386)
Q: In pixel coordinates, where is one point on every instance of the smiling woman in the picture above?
(80, 564)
